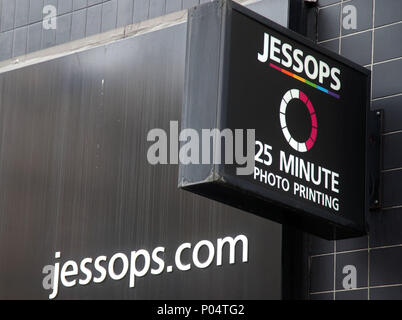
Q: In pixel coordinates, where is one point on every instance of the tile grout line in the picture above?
(334, 297)
(385, 61)
(13, 37)
(337, 253)
(101, 18)
(362, 31)
(41, 32)
(149, 8)
(358, 289)
(356, 250)
(86, 21)
(133, 12)
(26, 40)
(340, 28)
(117, 13)
(387, 97)
(392, 207)
(71, 27)
(391, 132)
(309, 272)
(372, 51)
(339, 51)
(333, 4)
(368, 266)
(371, 99)
(391, 170)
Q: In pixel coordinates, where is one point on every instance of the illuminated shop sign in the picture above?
(308, 107)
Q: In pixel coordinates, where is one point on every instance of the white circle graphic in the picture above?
(303, 146)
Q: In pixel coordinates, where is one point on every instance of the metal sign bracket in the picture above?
(374, 158)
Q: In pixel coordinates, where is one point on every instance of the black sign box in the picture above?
(309, 108)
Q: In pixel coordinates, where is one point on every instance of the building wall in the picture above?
(375, 44)
(21, 21)
(22, 30)
(74, 177)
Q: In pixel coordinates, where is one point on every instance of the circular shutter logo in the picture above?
(309, 143)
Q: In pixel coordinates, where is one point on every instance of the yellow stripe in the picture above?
(299, 78)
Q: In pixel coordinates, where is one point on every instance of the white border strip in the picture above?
(95, 41)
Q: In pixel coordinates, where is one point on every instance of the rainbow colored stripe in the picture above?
(290, 74)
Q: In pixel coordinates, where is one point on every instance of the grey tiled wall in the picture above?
(376, 43)
(21, 21)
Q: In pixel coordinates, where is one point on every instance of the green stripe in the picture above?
(311, 84)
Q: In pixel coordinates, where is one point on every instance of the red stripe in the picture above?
(275, 67)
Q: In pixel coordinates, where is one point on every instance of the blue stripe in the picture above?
(322, 89)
